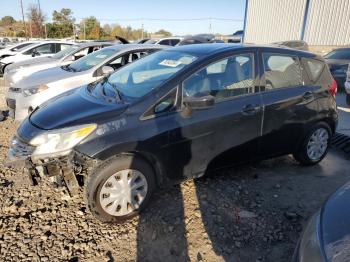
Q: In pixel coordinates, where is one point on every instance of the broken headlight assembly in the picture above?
(59, 142)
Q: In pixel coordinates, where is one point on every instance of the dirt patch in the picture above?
(250, 213)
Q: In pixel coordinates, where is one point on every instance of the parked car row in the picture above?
(26, 94)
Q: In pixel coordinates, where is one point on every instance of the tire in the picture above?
(109, 177)
(348, 99)
(302, 155)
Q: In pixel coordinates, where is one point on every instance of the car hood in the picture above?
(72, 108)
(33, 62)
(45, 77)
(335, 217)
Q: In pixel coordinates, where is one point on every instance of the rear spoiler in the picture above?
(121, 39)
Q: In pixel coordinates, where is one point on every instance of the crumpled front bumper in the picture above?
(64, 169)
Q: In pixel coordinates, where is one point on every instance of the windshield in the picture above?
(339, 54)
(64, 52)
(142, 76)
(92, 60)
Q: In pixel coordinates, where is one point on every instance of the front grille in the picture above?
(15, 89)
(19, 149)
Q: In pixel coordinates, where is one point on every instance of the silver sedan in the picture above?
(39, 87)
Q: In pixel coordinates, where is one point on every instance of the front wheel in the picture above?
(315, 145)
(120, 188)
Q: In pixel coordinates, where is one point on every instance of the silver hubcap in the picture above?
(317, 144)
(123, 192)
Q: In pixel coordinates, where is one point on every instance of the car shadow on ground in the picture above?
(246, 213)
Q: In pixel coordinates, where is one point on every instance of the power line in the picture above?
(169, 19)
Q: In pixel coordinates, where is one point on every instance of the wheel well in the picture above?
(331, 124)
(152, 161)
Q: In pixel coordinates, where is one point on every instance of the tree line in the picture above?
(64, 25)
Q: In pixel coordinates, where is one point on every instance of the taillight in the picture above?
(333, 88)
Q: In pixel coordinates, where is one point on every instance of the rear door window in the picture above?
(281, 71)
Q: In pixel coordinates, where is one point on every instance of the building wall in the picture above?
(270, 21)
(328, 22)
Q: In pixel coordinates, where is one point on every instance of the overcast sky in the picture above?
(116, 11)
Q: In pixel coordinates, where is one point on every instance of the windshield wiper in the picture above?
(68, 68)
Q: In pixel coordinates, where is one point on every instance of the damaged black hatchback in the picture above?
(174, 115)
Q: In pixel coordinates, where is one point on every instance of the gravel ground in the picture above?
(248, 213)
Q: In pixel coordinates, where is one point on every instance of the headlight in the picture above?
(34, 90)
(310, 248)
(59, 142)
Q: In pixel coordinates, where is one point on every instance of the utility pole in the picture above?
(142, 31)
(210, 25)
(24, 23)
(40, 29)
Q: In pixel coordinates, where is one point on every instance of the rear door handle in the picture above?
(308, 95)
(250, 109)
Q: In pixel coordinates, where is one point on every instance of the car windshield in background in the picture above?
(92, 60)
(151, 41)
(20, 46)
(64, 52)
(339, 54)
(141, 77)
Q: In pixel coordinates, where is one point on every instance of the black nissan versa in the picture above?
(175, 114)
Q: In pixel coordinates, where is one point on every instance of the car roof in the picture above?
(45, 42)
(123, 47)
(203, 50)
(87, 44)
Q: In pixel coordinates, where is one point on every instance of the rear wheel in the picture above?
(120, 188)
(315, 145)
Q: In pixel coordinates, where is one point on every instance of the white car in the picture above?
(41, 86)
(47, 48)
(172, 41)
(17, 71)
(13, 49)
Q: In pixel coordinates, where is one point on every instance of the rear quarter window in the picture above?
(281, 71)
(314, 68)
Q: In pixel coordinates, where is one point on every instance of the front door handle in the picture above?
(250, 109)
(308, 95)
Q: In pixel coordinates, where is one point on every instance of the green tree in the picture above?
(90, 28)
(63, 24)
(7, 21)
(163, 33)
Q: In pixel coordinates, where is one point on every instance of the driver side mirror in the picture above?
(35, 53)
(107, 70)
(202, 102)
(193, 103)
